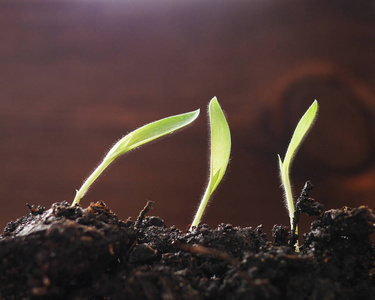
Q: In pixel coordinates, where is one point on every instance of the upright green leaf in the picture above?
(135, 139)
(220, 152)
(303, 127)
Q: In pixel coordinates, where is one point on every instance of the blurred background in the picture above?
(76, 76)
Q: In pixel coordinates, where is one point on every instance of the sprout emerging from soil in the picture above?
(220, 152)
(304, 125)
(138, 137)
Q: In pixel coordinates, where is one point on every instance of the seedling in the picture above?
(138, 137)
(303, 127)
(220, 152)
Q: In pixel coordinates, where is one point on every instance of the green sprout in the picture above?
(298, 136)
(138, 137)
(220, 152)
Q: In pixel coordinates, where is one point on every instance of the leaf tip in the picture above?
(214, 101)
(280, 160)
(196, 113)
(315, 106)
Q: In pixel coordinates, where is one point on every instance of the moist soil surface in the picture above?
(73, 253)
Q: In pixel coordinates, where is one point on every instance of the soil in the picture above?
(73, 253)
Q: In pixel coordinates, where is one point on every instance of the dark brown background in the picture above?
(77, 75)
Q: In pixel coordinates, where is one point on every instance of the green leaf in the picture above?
(150, 132)
(220, 152)
(303, 127)
(138, 137)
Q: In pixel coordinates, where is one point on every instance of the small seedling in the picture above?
(220, 152)
(138, 137)
(304, 125)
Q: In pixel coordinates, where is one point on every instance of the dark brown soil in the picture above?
(73, 253)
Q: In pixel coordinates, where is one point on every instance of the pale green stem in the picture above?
(99, 170)
(289, 197)
(201, 209)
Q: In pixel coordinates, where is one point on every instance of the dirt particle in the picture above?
(46, 281)
(39, 291)
(110, 249)
(86, 238)
(142, 253)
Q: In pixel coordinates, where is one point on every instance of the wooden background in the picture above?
(75, 76)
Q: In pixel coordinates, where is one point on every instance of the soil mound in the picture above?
(73, 253)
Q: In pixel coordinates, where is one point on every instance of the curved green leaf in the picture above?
(135, 139)
(220, 152)
(303, 127)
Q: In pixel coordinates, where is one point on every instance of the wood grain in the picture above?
(77, 75)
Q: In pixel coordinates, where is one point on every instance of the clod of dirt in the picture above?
(62, 250)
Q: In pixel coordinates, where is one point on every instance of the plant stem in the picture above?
(99, 170)
(289, 197)
(201, 209)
